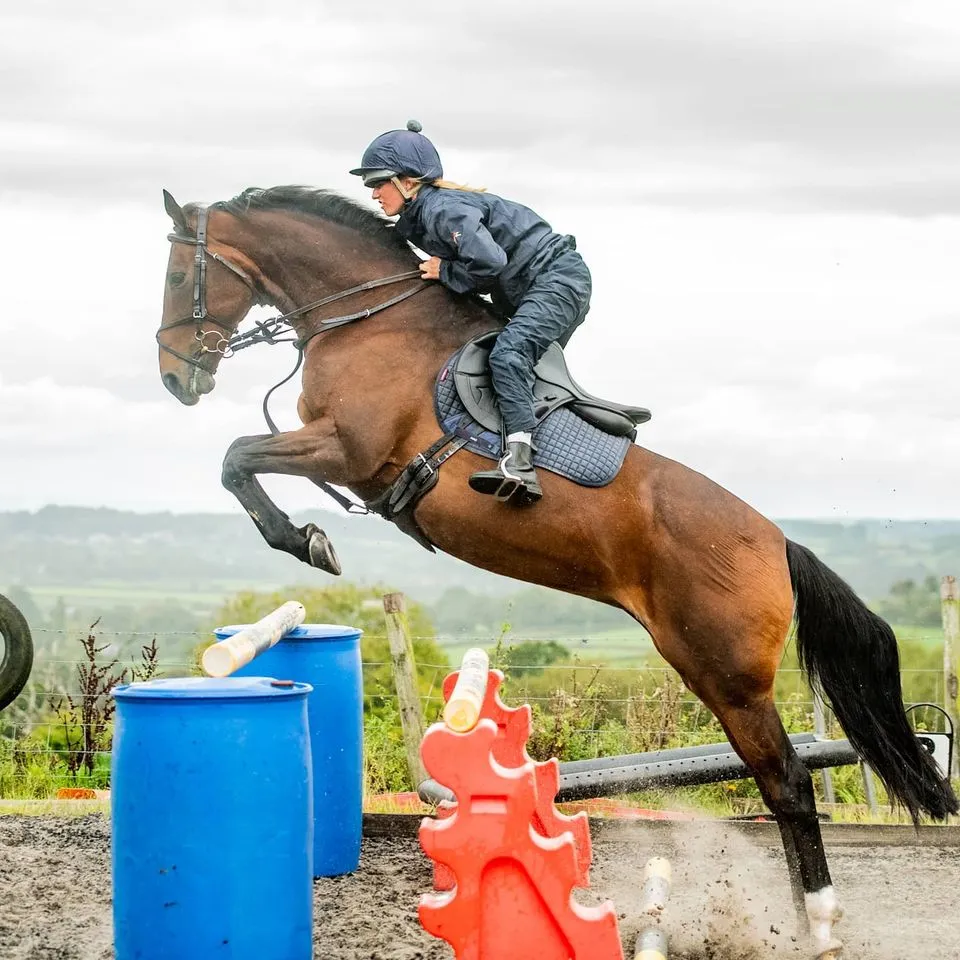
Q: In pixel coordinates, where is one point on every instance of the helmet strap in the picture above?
(404, 192)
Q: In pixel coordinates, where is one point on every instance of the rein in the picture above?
(267, 331)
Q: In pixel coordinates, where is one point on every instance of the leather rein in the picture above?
(267, 331)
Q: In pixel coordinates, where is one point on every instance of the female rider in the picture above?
(479, 242)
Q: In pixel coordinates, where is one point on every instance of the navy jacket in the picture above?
(487, 244)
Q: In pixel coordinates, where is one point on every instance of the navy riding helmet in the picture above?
(399, 153)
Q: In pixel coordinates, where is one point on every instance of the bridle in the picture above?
(265, 331)
(199, 315)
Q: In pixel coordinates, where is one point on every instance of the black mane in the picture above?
(324, 204)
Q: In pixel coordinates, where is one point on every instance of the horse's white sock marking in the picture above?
(823, 910)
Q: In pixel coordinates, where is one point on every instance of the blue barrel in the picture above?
(326, 656)
(212, 820)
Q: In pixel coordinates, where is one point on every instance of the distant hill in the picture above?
(103, 559)
(872, 555)
(201, 552)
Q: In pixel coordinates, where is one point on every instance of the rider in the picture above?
(479, 242)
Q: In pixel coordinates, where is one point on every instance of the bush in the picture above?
(360, 607)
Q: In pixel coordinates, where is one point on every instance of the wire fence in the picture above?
(605, 708)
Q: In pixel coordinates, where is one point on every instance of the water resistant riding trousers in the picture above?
(554, 305)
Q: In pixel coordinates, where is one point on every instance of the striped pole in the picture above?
(652, 942)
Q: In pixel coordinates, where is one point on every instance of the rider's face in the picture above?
(390, 198)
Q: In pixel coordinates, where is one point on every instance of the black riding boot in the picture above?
(514, 479)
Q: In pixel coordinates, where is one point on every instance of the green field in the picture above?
(624, 647)
(628, 646)
(928, 636)
(116, 593)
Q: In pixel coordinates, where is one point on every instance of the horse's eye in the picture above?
(176, 279)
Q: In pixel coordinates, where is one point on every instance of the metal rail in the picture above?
(683, 766)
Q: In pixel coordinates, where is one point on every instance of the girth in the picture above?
(415, 481)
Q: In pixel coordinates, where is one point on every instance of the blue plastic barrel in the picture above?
(212, 820)
(327, 656)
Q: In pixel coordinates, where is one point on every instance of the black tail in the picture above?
(851, 655)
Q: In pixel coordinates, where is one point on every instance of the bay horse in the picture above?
(716, 584)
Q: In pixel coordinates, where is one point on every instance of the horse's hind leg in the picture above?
(726, 643)
(757, 734)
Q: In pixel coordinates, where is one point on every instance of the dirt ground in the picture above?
(730, 897)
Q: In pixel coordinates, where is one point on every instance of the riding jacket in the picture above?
(487, 244)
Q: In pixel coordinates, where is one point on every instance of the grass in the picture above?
(578, 712)
(53, 808)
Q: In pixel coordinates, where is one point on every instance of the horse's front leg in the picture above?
(310, 452)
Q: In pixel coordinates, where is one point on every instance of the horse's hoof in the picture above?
(831, 949)
(320, 551)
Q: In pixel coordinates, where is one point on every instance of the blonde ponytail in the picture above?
(450, 185)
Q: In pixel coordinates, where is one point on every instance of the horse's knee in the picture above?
(229, 476)
(231, 471)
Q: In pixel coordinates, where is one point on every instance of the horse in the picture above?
(716, 584)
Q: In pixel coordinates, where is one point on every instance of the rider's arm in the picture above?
(479, 257)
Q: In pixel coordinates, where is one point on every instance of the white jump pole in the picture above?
(223, 658)
(462, 711)
(651, 940)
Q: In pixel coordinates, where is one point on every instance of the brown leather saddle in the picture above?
(554, 388)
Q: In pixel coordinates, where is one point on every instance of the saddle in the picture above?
(586, 441)
(553, 388)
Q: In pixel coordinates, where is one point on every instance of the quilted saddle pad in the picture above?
(565, 444)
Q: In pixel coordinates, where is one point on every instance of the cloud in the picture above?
(767, 197)
(676, 103)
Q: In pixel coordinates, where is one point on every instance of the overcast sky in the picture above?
(767, 194)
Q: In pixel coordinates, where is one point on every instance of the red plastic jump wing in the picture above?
(510, 750)
(513, 895)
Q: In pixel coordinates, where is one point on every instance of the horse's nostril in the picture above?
(171, 382)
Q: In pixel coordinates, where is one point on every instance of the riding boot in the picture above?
(515, 478)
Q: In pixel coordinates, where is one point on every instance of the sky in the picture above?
(767, 195)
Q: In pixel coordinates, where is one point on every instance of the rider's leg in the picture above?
(553, 308)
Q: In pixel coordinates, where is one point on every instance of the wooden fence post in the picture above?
(405, 678)
(950, 612)
(820, 729)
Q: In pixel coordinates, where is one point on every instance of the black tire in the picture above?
(17, 660)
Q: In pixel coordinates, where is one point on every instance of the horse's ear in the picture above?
(175, 213)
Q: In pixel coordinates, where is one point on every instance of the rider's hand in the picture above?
(430, 269)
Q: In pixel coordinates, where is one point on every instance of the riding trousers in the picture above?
(554, 305)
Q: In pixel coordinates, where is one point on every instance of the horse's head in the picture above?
(209, 289)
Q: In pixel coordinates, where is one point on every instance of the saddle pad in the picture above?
(565, 444)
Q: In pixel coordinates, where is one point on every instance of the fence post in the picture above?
(820, 729)
(950, 612)
(405, 678)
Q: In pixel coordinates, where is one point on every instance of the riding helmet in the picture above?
(398, 153)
